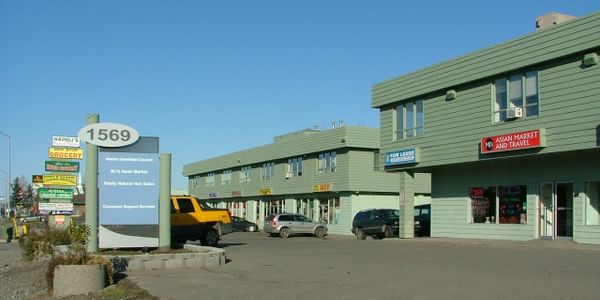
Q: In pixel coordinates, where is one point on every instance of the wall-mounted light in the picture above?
(450, 95)
(590, 59)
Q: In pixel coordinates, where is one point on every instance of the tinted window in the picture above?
(185, 205)
(303, 219)
(285, 218)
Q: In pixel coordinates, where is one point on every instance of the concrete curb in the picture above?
(200, 257)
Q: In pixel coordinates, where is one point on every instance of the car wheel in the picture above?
(360, 234)
(285, 233)
(388, 232)
(252, 228)
(320, 232)
(210, 238)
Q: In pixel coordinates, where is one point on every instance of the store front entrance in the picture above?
(555, 211)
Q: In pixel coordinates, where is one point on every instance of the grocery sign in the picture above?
(514, 141)
(68, 180)
(62, 166)
(65, 153)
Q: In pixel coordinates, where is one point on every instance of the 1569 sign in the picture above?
(108, 135)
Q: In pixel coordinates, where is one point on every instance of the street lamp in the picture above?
(8, 178)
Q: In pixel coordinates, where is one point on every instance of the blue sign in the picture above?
(401, 157)
(128, 185)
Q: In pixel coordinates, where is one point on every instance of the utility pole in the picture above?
(8, 179)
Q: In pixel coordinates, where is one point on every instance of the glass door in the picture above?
(564, 210)
(546, 211)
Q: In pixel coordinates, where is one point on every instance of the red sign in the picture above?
(513, 141)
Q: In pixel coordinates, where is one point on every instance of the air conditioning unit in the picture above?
(288, 175)
(514, 113)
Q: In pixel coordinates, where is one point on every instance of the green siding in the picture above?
(453, 129)
(564, 39)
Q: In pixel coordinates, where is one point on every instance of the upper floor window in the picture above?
(195, 181)
(245, 173)
(516, 97)
(210, 179)
(327, 162)
(294, 167)
(409, 120)
(226, 177)
(268, 171)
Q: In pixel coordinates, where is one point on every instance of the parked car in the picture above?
(376, 222)
(286, 225)
(423, 220)
(241, 224)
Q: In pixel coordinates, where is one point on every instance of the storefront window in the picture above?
(483, 204)
(513, 204)
(592, 207)
(502, 204)
(329, 210)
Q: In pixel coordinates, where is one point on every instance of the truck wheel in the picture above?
(360, 234)
(285, 233)
(210, 238)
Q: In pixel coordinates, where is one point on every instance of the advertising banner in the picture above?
(66, 141)
(65, 153)
(128, 188)
(67, 180)
(55, 193)
(62, 166)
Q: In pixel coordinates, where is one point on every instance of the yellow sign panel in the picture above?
(70, 180)
(322, 187)
(265, 192)
(65, 153)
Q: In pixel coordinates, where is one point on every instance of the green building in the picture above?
(510, 135)
(325, 175)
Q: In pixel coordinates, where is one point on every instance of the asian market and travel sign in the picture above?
(62, 166)
(402, 157)
(46, 193)
(67, 180)
(514, 141)
(65, 153)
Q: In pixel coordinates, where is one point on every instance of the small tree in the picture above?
(19, 192)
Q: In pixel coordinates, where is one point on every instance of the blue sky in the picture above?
(214, 77)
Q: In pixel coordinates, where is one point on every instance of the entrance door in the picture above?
(564, 210)
(555, 210)
(546, 211)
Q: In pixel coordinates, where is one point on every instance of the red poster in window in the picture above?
(513, 141)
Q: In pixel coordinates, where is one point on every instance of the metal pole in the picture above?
(91, 189)
(8, 179)
(164, 224)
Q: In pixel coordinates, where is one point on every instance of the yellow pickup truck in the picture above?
(192, 219)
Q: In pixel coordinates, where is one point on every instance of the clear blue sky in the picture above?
(214, 77)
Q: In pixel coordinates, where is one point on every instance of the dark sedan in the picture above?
(241, 224)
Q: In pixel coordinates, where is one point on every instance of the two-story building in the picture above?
(510, 135)
(325, 175)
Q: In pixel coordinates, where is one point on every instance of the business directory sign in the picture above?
(128, 187)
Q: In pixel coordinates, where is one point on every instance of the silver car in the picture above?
(285, 225)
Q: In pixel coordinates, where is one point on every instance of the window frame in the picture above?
(409, 120)
(527, 101)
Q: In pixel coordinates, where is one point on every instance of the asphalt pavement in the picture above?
(341, 267)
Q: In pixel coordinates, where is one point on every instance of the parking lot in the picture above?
(341, 267)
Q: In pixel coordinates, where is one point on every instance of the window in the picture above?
(517, 91)
(329, 210)
(245, 173)
(294, 167)
(210, 179)
(185, 205)
(502, 204)
(327, 163)
(409, 120)
(268, 171)
(196, 181)
(592, 205)
(226, 177)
